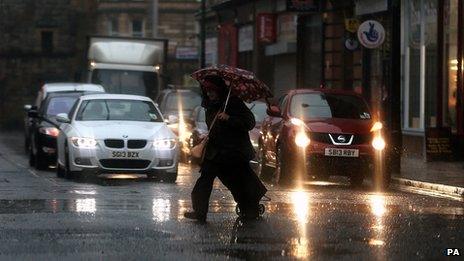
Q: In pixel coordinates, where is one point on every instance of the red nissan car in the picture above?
(319, 133)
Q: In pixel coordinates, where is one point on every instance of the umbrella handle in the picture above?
(227, 99)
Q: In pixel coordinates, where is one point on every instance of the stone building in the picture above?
(42, 41)
(171, 19)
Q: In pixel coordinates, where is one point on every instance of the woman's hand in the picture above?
(223, 116)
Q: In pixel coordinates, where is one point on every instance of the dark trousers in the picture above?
(233, 174)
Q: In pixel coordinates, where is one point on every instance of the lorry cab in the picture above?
(127, 65)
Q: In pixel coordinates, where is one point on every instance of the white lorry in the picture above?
(127, 65)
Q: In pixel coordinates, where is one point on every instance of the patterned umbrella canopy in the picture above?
(243, 83)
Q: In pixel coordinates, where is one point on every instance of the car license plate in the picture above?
(341, 152)
(125, 154)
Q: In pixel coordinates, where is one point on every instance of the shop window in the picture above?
(431, 62)
(451, 63)
(413, 41)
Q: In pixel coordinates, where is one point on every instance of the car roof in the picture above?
(108, 96)
(324, 90)
(70, 94)
(70, 86)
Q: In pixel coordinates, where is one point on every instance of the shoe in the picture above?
(195, 215)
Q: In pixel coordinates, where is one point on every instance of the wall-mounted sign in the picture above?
(186, 53)
(245, 38)
(302, 5)
(371, 34)
(352, 25)
(438, 144)
(286, 29)
(266, 27)
(211, 51)
(363, 7)
(351, 44)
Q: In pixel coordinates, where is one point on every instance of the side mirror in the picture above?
(274, 111)
(172, 119)
(32, 113)
(63, 118)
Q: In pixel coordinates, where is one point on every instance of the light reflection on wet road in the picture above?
(128, 217)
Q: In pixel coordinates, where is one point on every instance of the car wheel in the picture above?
(262, 169)
(31, 157)
(60, 170)
(383, 180)
(26, 146)
(169, 177)
(283, 172)
(68, 174)
(356, 179)
(41, 161)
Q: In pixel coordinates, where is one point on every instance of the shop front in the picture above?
(432, 58)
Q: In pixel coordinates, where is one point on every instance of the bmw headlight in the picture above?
(164, 144)
(88, 143)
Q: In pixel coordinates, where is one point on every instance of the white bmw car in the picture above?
(113, 133)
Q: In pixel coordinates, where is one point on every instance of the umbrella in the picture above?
(241, 83)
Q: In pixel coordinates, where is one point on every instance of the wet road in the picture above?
(43, 217)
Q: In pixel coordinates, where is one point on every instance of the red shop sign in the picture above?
(266, 28)
(228, 44)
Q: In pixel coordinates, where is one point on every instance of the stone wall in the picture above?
(28, 59)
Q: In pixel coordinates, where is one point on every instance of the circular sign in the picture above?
(351, 44)
(371, 34)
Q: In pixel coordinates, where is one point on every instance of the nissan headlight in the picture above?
(302, 140)
(87, 143)
(378, 143)
(164, 144)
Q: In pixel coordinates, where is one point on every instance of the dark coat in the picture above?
(229, 139)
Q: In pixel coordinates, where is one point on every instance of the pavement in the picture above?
(440, 177)
(43, 217)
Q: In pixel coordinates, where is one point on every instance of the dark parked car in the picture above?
(258, 108)
(43, 129)
(319, 132)
(177, 106)
(44, 91)
(198, 129)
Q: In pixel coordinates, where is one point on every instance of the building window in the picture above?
(420, 64)
(113, 27)
(47, 41)
(137, 28)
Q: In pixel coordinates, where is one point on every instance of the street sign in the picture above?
(352, 25)
(438, 144)
(351, 44)
(371, 34)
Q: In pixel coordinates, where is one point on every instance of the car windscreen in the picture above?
(118, 110)
(57, 105)
(187, 100)
(322, 105)
(127, 82)
(259, 111)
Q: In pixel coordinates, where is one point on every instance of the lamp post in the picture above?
(202, 34)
